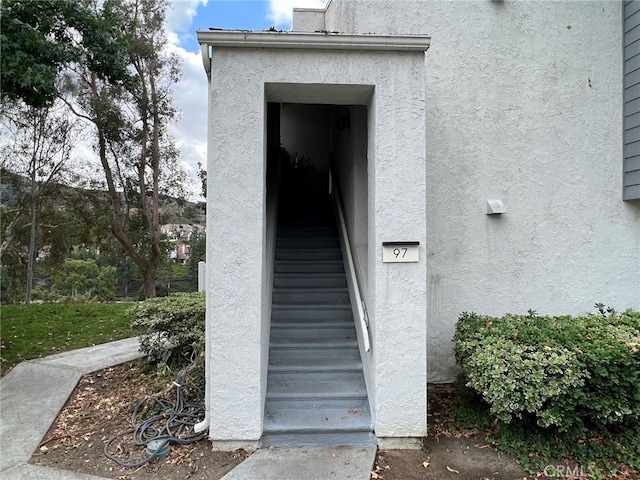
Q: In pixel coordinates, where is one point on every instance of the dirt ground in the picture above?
(101, 406)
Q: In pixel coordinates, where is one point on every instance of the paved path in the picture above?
(317, 463)
(33, 393)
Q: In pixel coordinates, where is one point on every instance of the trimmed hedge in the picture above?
(561, 387)
(172, 328)
(572, 373)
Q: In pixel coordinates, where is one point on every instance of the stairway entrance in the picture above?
(316, 392)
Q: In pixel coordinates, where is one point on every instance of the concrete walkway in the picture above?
(313, 463)
(33, 393)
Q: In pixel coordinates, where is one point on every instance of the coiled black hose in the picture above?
(175, 424)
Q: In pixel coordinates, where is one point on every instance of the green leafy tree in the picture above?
(138, 158)
(108, 62)
(41, 142)
(85, 278)
(38, 39)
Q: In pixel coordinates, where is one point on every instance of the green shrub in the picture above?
(172, 327)
(559, 379)
(566, 371)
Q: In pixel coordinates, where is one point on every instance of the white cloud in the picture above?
(180, 14)
(190, 97)
(281, 11)
(189, 94)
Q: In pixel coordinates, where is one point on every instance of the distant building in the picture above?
(180, 231)
(180, 253)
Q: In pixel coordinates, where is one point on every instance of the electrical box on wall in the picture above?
(400, 252)
(495, 207)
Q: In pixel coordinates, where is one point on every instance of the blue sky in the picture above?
(233, 14)
(187, 16)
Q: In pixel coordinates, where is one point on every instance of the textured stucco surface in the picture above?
(236, 210)
(307, 20)
(235, 253)
(524, 104)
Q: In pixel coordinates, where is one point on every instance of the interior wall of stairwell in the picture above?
(349, 146)
(304, 132)
(272, 128)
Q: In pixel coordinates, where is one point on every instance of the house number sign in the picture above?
(400, 252)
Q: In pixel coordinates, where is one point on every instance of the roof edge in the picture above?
(313, 41)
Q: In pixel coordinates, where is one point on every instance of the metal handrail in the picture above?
(352, 278)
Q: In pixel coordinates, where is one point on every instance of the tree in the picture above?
(86, 278)
(138, 158)
(39, 39)
(42, 142)
(117, 74)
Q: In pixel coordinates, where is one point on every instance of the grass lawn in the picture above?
(33, 331)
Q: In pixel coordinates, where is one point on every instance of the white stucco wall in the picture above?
(236, 253)
(236, 209)
(524, 104)
(307, 20)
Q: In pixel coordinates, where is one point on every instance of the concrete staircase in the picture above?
(316, 393)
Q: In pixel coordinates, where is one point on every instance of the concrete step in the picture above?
(326, 426)
(310, 266)
(315, 376)
(308, 242)
(319, 439)
(318, 342)
(298, 351)
(317, 312)
(308, 254)
(302, 231)
(327, 295)
(354, 419)
(309, 280)
(315, 403)
(321, 364)
(301, 390)
(305, 331)
(310, 323)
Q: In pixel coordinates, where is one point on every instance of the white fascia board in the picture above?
(314, 41)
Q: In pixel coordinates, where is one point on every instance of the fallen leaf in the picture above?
(425, 464)
(375, 476)
(347, 462)
(271, 448)
(353, 411)
(452, 470)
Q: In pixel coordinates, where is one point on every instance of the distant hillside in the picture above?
(14, 188)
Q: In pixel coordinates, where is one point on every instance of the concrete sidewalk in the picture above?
(32, 395)
(34, 392)
(312, 463)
